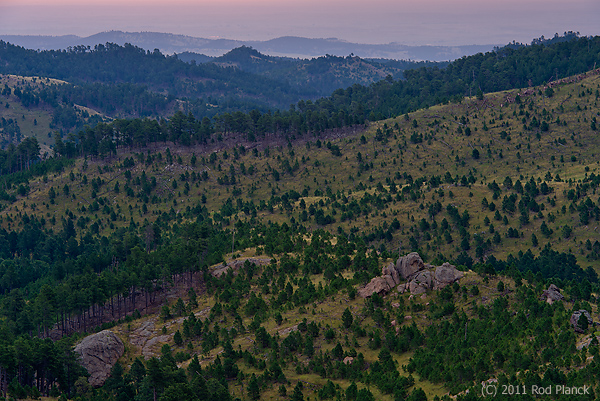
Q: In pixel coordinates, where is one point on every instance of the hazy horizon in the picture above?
(434, 22)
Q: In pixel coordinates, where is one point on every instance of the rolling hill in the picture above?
(122, 82)
(500, 185)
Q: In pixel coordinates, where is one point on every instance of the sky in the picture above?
(411, 22)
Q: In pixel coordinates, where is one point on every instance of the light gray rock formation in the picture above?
(377, 285)
(416, 288)
(408, 265)
(575, 320)
(552, 294)
(390, 270)
(236, 265)
(98, 353)
(446, 274)
(421, 277)
(390, 281)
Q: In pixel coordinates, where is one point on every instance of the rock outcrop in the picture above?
(421, 277)
(446, 274)
(587, 341)
(98, 353)
(552, 294)
(408, 265)
(575, 320)
(377, 285)
(236, 265)
(390, 270)
(402, 288)
(421, 282)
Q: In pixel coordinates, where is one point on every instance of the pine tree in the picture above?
(347, 318)
(351, 392)
(297, 394)
(193, 302)
(177, 338)
(253, 388)
(179, 307)
(582, 322)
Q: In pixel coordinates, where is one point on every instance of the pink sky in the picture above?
(443, 22)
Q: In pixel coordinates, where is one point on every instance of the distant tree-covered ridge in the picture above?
(127, 81)
(325, 74)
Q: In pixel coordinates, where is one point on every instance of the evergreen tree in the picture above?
(177, 338)
(297, 394)
(352, 392)
(347, 318)
(253, 388)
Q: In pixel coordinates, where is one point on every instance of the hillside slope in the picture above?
(126, 81)
(502, 186)
(151, 85)
(409, 169)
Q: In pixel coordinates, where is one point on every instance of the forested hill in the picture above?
(151, 84)
(126, 81)
(231, 254)
(325, 74)
(111, 64)
(243, 73)
(503, 69)
(504, 187)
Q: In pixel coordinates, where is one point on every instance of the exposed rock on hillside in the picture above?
(421, 282)
(98, 353)
(237, 264)
(148, 335)
(552, 294)
(409, 265)
(377, 285)
(147, 338)
(421, 277)
(587, 341)
(577, 324)
(446, 274)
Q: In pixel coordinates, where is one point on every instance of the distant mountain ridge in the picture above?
(128, 81)
(324, 73)
(287, 46)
